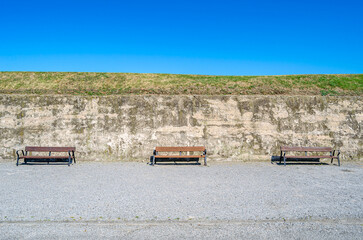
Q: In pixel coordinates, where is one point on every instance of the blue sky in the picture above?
(192, 37)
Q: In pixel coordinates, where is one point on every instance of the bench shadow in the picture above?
(297, 161)
(44, 164)
(176, 161)
(40, 163)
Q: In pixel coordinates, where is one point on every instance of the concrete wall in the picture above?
(127, 128)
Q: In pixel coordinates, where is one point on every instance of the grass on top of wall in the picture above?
(90, 83)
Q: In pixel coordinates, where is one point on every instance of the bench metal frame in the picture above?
(180, 156)
(285, 149)
(49, 158)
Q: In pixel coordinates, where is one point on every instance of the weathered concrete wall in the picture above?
(125, 128)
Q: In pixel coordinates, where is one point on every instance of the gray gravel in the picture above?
(137, 201)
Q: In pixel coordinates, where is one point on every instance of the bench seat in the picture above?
(43, 157)
(180, 156)
(326, 156)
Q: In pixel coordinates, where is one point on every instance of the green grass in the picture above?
(88, 83)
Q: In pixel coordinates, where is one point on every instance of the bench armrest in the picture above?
(71, 153)
(17, 152)
(338, 152)
(205, 152)
(155, 152)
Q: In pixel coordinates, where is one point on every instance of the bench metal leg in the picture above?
(338, 157)
(17, 157)
(72, 156)
(205, 160)
(69, 161)
(153, 162)
(280, 157)
(284, 161)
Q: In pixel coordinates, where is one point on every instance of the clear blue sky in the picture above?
(193, 37)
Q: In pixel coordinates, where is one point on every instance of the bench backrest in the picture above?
(179, 149)
(306, 149)
(49, 149)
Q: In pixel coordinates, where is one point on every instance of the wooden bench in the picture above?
(286, 149)
(47, 158)
(180, 157)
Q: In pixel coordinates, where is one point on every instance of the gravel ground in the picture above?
(137, 201)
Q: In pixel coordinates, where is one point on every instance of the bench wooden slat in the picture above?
(44, 157)
(311, 156)
(306, 149)
(177, 156)
(49, 149)
(179, 149)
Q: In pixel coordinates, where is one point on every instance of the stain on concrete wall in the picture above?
(233, 128)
